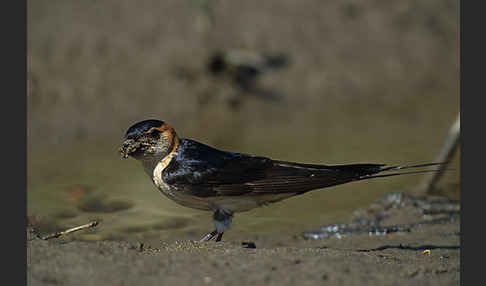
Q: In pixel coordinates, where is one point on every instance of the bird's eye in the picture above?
(153, 133)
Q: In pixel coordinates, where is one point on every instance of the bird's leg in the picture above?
(222, 222)
(220, 236)
(209, 236)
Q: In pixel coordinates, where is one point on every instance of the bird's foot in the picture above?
(208, 236)
(211, 235)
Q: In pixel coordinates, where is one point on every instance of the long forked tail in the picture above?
(384, 168)
(306, 177)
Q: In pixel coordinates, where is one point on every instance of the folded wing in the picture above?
(203, 171)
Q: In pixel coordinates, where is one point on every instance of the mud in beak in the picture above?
(128, 147)
(132, 147)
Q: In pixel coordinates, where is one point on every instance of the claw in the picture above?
(209, 236)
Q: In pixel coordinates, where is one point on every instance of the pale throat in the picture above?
(149, 164)
(154, 165)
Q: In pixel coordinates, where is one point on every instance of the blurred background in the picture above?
(331, 82)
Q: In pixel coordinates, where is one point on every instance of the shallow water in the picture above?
(367, 83)
(91, 181)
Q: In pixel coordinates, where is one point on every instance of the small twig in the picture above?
(445, 155)
(60, 233)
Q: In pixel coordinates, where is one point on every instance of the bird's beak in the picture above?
(128, 147)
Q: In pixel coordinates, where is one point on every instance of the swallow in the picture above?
(199, 176)
(244, 68)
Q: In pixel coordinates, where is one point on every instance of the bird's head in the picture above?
(149, 139)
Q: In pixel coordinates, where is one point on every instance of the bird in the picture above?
(243, 68)
(202, 177)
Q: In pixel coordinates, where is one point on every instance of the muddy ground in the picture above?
(367, 82)
(399, 240)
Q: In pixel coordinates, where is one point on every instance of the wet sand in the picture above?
(427, 252)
